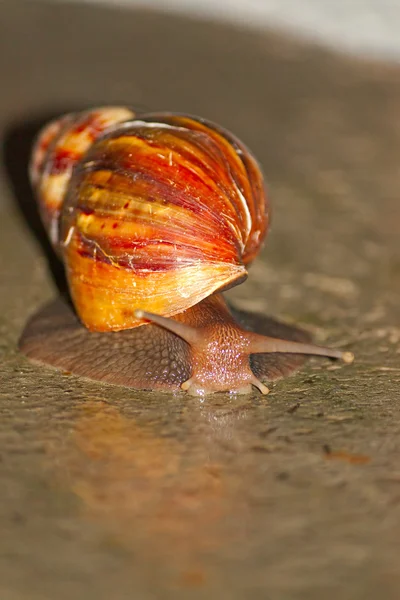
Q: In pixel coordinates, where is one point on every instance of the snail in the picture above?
(154, 216)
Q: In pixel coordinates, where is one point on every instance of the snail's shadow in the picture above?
(18, 142)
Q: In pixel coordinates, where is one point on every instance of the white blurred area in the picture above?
(369, 27)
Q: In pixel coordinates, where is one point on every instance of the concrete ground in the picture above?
(113, 494)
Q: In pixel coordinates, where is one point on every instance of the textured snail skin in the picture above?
(152, 358)
(153, 215)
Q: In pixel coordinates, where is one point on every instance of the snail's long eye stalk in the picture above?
(263, 344)
(187, 333)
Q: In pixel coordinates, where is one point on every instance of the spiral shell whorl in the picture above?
(162, 211)
(59, 147)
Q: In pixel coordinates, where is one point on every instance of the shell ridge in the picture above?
(161, 211)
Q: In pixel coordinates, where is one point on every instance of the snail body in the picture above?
(154, 215)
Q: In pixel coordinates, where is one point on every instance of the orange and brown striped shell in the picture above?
(151, 211)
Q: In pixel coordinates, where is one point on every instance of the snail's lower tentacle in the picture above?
(259, 385)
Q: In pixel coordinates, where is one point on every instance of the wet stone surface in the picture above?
(110, 493)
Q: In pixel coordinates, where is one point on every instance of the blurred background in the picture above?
(362, 26)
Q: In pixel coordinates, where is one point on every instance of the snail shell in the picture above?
(152, 214)
(156, 211)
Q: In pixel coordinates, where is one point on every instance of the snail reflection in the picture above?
(154, 215)
(172, 499)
